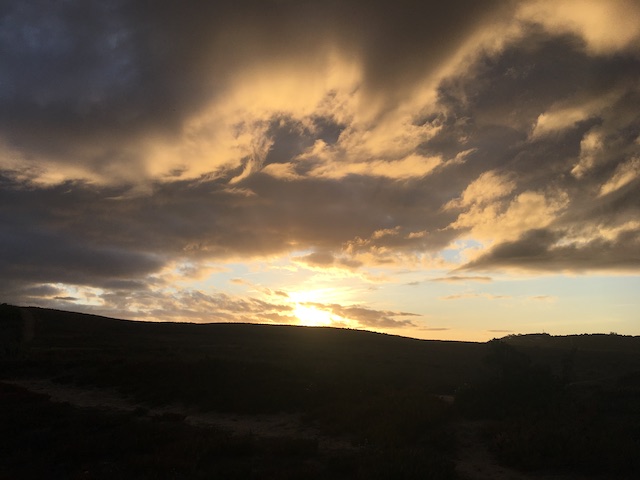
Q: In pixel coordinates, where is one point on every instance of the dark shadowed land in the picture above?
(91, 397)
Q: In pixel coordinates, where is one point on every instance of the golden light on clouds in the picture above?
(317, 163)
(317, 307)
(606, 25)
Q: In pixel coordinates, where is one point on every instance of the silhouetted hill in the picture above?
(439, 366)
(588, 358)
(595, 342)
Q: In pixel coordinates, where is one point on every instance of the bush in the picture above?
(540, 424)
(513, 386)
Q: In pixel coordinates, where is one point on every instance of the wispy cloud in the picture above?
(367, 317)
(544, 298)
(464, 296)
(462, 279)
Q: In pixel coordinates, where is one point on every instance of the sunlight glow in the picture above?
(312, 316)
(312, 307)
(318, 295)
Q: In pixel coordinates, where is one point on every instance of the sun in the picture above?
(313, 308)
(312, 316)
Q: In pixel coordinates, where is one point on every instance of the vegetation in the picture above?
(545, 422)
(10, 331)
(553, 403)
(42, 439)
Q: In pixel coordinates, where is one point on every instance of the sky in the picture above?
(455, 170)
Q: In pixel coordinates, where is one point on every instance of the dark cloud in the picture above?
(291, 138)
(496, 111)
(85, 82)
(321, 259)
(35, 256)
(404, 41)
(86, 237)
(493, 111)
(543, 250)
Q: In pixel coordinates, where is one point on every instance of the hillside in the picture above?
(200, 356)
(378, 403)
(438, 366)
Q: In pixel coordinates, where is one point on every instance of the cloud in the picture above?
(624, 174)
(321, 259)
(146, 146)
(461, 278)
(464, 296)
(570, 112)
(135, 91)
(604, 26)
(32, 256)
(591, 148)
(367, 317)
(544, 250)
(405, 168)
(396, 246)
(497, 221)
(544, 298)
(196, 306)
(486, 188)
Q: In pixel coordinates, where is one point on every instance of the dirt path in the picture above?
(475, 461)
(264, 425)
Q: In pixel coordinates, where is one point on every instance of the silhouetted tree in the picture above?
(513, 385)
(10, 330)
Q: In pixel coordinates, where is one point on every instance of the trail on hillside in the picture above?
(262, 425)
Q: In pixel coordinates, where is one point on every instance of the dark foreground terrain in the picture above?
(90, 397)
